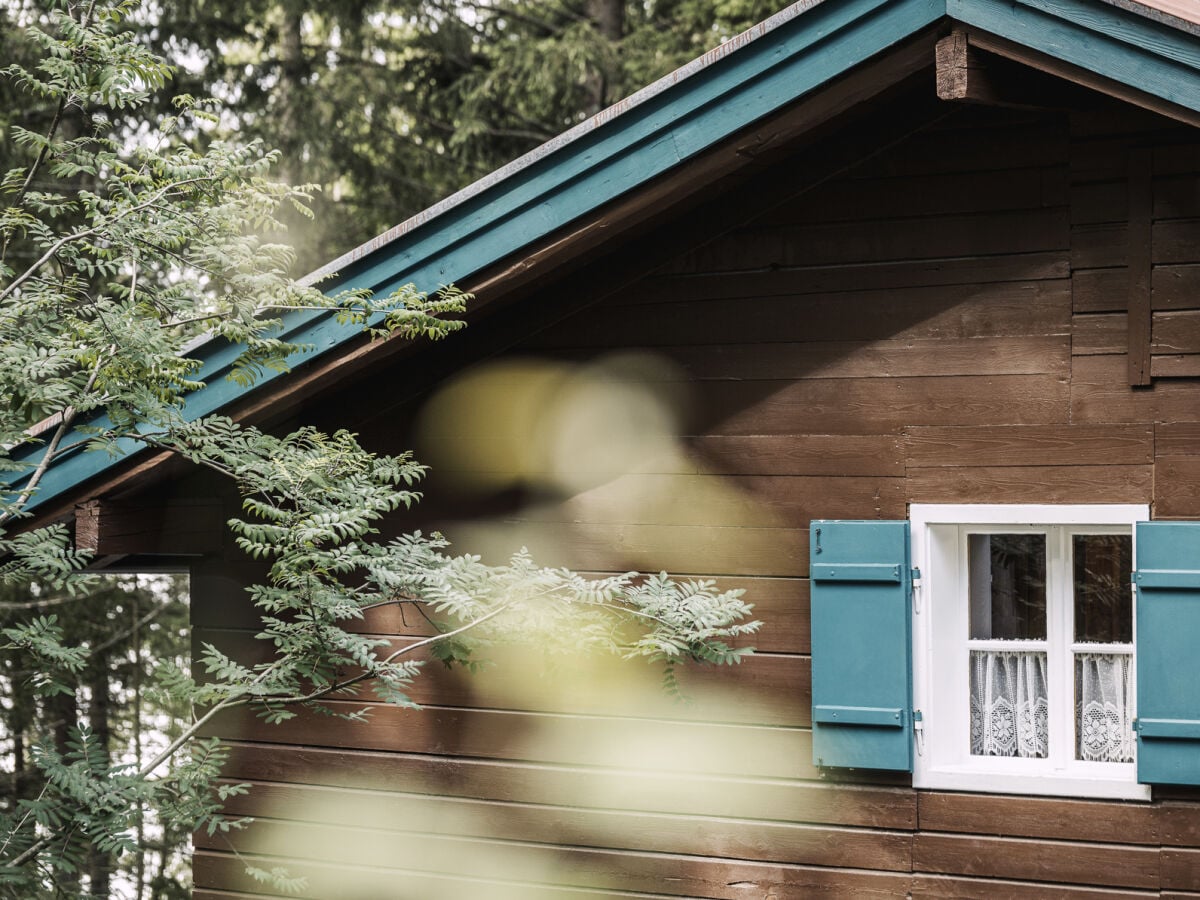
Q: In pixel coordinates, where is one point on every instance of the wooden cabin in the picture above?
(912, 288)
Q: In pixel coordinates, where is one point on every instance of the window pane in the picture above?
(1009, 712)
(1103, 707)
(1007, 586)
(1103, 601)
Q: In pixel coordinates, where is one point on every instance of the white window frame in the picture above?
(940, 675)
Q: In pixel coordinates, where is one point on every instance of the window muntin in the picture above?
(1024, 651)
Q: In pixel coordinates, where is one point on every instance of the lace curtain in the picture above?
(1008, 703)
(1009, 712)
(1103, 707)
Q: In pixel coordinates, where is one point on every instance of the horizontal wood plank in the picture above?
(1180, 869)
(1101, 290)
(1103, 157)
(1099, 394)
(1175, 241)
(1176, 332)
(1099, 334)
(628, 789)
(1096, 202)
(1106, 865)
(780, 501)
(693, 877)
(943, 193)
(696, 747)
(1172, 332)
(845, 455)
(802, 455)
(217, 870)
(1029, 445)
(938, 357)
(944, 887)
(1003, 309)
(1175, 366)
(1040, 817)
(703, 550)
(981, 144)
(1107, 290)
(1177, 487)
(808, 280)
(1099, 246)
(1177, 439)
(1030, 484)
(442, 823)
(1180, 824)
(1176, 287)
(979, 234)
(871, 406)
(1177, 196)
(1178, 153)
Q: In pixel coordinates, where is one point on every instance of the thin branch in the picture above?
(68, 418)
(37, 164)
(96, 229)
(17, 828)
(407, 648)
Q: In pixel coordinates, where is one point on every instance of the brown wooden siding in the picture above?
(945, 323)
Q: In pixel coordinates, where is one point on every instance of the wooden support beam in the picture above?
(174, 528)
(1141, 230)
(962, 75)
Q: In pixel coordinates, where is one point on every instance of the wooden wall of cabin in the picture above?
(948, 322)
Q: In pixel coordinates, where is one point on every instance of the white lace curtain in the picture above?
(1103, 707)
(1009, 712)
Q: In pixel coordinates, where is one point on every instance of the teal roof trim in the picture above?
(1108, 41)
(792, 54)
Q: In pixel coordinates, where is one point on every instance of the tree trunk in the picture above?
(608, 18)
(62, 710)
(100, 864)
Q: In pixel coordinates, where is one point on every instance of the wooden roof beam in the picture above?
(961, 72)
(113, 531)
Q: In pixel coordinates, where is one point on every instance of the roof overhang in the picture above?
(1142, 52)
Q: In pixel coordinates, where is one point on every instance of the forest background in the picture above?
(384, 108)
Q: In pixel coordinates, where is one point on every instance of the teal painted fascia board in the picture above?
(617, 157)
(1129, 49)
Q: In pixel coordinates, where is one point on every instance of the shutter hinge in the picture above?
(919, 731)
(916, 589)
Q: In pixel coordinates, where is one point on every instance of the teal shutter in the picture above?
(1167, 576)
(861, 644)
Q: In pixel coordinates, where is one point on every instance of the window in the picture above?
(1023, 634)
(1020, 613)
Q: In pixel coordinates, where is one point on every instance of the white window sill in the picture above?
(951, 778)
